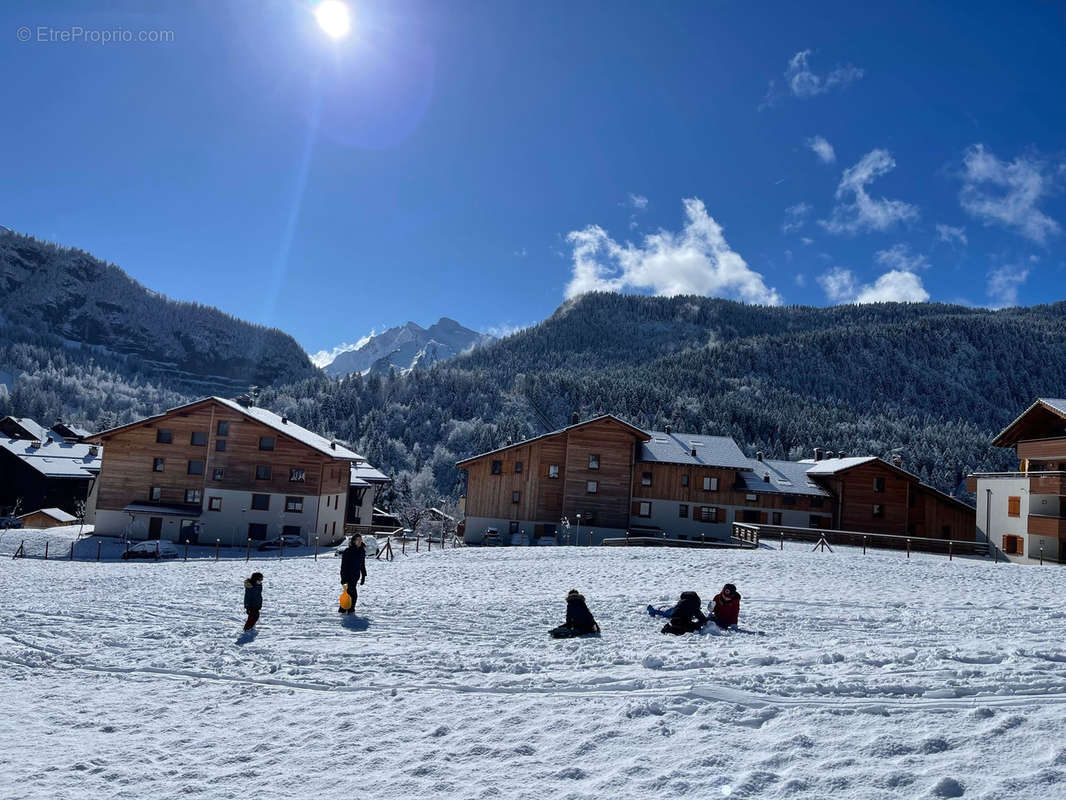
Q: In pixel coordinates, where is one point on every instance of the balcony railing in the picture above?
(1040, 482)
(1047, 526)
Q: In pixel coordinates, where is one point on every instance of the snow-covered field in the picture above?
(855, 677)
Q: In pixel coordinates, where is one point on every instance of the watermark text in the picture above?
(76, 34)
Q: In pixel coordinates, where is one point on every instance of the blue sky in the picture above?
(485, 160)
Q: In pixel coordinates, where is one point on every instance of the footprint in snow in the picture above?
(948, 787)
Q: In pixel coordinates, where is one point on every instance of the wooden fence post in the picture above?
(403, 545)
(908, 548)
(247, 548)
(218, 545)
(99, 548)
(782, 540)
(316, 548)
(186, 550)
(950, 554)
(1041, 553)
(21, 551)
(995, 554)
(864, 545)
(281, 547)
(72, 552)
(418, 541)
(45, 549)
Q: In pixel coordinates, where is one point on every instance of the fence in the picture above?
(882, 541)
(746, 540)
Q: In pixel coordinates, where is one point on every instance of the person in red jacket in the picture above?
(725, 608)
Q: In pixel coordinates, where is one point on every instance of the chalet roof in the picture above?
(786, 477)
(637, 432)
(676, 448)
(27, 428)
(269, 418)
(58, 514)
(70, 431)
(1011, 435)
(366, 475)
(832, 466)
(55, 459)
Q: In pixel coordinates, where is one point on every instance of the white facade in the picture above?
(995, 522)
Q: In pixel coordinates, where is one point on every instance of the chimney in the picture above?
(897, 460)
(284, 420)
(332, 445)
(243, 400)
(758, 456)
(669, 430)
(692, 452)
(817, 454)
(842, 454)
(509, 441)
(94, 450)
(766, 477)
(574, 418)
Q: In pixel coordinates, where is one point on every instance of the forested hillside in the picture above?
(54, 297)
(932, 382)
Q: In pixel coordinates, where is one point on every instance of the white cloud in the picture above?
(638, 201)
(795, 217)
(822, 149)
(804, 82)
(506, 329)
(521, 252)
(800, 279)
(324, 357)
(895, 286)
(900, 257)
(1004, 283)
(807, 240)
(862, 212)
(696, 260)
(1008, 193)
(949, 234)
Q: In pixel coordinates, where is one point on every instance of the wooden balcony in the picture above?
(1047, 526)
(1048, 483)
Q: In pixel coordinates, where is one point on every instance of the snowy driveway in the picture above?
(859, 676)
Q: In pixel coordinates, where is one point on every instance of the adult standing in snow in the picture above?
(725, 608)
(579, 620)
(253, 599)
(687, 615)
(353, 569)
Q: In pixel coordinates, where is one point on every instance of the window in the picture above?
(708, 514)
(684, 480)
(682, 511)
(1014, 506)
(879, 510)
(710, 484)
(497, 467)
(257, 531)
(644, 510)
(214, 504)
(195, 468)
(512, 527)
(751, 498)
(591, 487)
(294, 505)
(645, 479)
(262, 472)
(164, 436)
(222, 429)
(157, 464)
(291, 530)
(296, 475)
(775, 518)
(260, 502)
(553, 470)
(815, 521)
(817, 502)
(220, 445)
(266, 442)
(1013, 544)
(194, 496)
(516, 496)
(879, 485)
(218, 473)
(155, 493)
(788, 500)
(517, 467)
(594, 461)
(198, 438)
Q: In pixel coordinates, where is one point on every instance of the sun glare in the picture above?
(333, 18)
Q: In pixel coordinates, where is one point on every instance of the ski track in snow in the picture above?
(869, 677)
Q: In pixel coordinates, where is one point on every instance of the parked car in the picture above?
(492, 537)
(371, 543)
(155, 549)
(10, 522)
(287, 540)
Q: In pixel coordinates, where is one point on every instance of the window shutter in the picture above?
(635, 510)
(762, 517)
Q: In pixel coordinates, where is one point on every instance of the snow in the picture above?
(857, 676)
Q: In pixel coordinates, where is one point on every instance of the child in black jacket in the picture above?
(253, 598)
(579, 620)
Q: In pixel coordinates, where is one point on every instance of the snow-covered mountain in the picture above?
(408, 347)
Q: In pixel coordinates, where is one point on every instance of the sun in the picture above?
(333, 18)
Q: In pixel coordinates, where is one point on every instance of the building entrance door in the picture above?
(155, 527)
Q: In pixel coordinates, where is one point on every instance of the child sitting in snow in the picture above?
(253, 598)
(725, 608)
(686, 616)
(579, 620)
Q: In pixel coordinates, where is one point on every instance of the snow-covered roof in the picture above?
(831, 466)
(58, 514)
(676, 448)
(786, 477)
(56, 459)
(367, 474)
(29, 428)
(1056, 403)
(281, 424)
